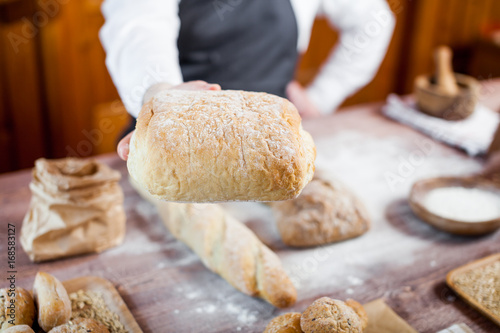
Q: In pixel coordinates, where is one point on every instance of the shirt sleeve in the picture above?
(366, 28)
(140, 40)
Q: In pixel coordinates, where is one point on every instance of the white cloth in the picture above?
(474, 134)
(140, 39)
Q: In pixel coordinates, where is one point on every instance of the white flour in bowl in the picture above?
(463, 204)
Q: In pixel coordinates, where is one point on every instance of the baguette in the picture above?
(215, 146)
(16, 308)
(53, 303)
(230, 249)
(227, 247)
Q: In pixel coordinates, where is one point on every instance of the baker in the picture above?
(253, 45)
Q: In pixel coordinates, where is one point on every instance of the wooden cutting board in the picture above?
(468, 298)
(110, 295)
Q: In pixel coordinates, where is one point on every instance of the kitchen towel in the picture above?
(473, 134)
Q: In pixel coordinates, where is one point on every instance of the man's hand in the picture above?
(298, 96)
(123, 145)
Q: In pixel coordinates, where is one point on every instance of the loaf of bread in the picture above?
(215, 146)
(52, 300)
(16, 308)
(228, 248)
(18, 329)
(326, 211)
(286, 323)
(81, 325)
(326, 315)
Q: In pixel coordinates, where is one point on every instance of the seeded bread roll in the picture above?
(21, 312)
(52, 300)
(287, 323)
(214, 146)
(18, 329)
(326, 315)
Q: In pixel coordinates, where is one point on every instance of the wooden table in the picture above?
(400, 259)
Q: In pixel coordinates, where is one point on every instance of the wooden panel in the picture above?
(22, 91)
(76, 76)
(109, 120)
(5, 135)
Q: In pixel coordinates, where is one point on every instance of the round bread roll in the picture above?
(326, 211)
(215, 146)
(52, 300)
(287, 323)
(18, 329)
(23, 311)
(81, 325)
(326, 315)
(360, 311)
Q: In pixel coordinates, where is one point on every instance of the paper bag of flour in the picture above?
(76, 207)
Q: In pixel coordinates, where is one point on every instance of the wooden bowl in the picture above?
(447, 107)
(421, 188)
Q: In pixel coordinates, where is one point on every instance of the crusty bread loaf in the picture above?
(23, 312)
(326, 211)
(52, 300)
(214, 146)
(227, 247)
(286, 323)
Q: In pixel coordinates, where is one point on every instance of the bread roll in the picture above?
(326, 315)
(326, 211)
(52, 300)
(81, 325)
(214, 146)
(16, 308)
(230, 249)
(287, 323)
(18, 329)
(360, 311)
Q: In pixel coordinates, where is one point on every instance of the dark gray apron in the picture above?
(239, 44)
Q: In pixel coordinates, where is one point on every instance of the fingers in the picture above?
(123, 146)
(197, 85)
(298, 96)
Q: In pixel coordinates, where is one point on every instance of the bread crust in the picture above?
(215, 146)
(24, 311)
(286, 323)
(52, 300)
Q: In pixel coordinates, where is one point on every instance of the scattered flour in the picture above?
(361, 162)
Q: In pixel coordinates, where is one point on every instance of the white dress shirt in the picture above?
(140, 39)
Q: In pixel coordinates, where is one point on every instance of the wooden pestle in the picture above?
(445, 82)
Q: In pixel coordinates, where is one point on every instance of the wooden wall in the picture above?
(421, 26)
(57, 99)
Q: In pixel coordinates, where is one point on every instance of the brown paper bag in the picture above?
(76, 207)
(382, 319)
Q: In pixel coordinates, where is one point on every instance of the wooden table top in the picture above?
(400, 259)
